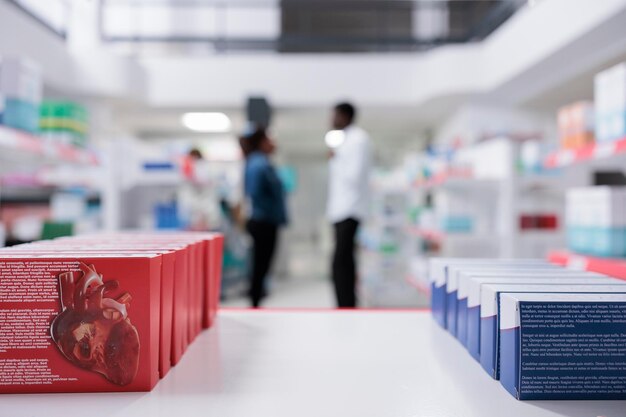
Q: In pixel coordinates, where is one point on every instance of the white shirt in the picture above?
(349, 177)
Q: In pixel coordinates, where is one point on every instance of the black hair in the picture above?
(347, 110)
(195, 153)
(253, 141)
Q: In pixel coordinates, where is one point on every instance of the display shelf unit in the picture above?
(16, 142)
(170, 178)
(595, 151)
(279, 363)
(439, 236)
(415, 283)
(448, 176)
(615, 267)
(426, 234)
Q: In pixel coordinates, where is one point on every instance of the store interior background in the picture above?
(477, 83)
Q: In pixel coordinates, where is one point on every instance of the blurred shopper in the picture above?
(198, 198)
(266, 196)
(347, 199)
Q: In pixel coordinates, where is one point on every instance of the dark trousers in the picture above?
(264, 238)
(344, 265)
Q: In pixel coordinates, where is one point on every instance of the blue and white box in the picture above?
(474, 324)
(438, 270)
(462, 282)
(490, 308)
(563, 346)
(438, 275)
(454, 274)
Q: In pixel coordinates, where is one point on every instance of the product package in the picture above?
(189, 275)
(79, 323)
(174, 321)
(456, 306)
(490, 306)
(170, 268)
(455, 269)
(200, 280)
(563, 346)
(474, 322)
(468, 317)
(213, 285)
(438, 275)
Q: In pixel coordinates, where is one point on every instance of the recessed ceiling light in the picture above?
(206, 122)
(335, 138)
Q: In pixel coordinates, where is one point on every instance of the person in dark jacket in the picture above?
(266, 197)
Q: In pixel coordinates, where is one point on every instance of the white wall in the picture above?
(513, 63)
(512, 59)
(209, 20)
(88, 71)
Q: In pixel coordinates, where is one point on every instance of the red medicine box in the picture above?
(79, 323)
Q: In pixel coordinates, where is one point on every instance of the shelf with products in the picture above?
(594, 151)
(440, 236)
(615, 267)
(421, 286)
(15, 144)
(426, 234)
(447, 176)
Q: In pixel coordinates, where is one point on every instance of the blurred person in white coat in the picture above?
(347, 197)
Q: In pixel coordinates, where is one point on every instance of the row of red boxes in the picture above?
(106, 312)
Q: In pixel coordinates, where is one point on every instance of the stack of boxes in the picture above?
(104, 312)
(576, 123)
(596, 220)
(63, 122)
(610, 99)
(544, 331)
(20, 94)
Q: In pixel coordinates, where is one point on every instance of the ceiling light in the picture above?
(335, 138)
(206, 122)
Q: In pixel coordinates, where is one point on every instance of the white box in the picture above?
(490, 307)
(473, 319)
(563, 346)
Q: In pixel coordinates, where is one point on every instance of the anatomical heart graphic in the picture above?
(93, 330)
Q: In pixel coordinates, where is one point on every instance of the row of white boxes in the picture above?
(546, 332)
(596, 220)
(610, 103)
(21, 91)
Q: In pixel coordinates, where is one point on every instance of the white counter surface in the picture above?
(316, 364)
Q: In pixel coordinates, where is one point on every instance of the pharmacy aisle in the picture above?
(318, 363)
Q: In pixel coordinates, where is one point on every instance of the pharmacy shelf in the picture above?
(446, 177)
(417, 284)
(615, 267)
(16, 142)
(170, 178)
(439, 236)
(285, 363)
(426, 234)
(595, 151)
